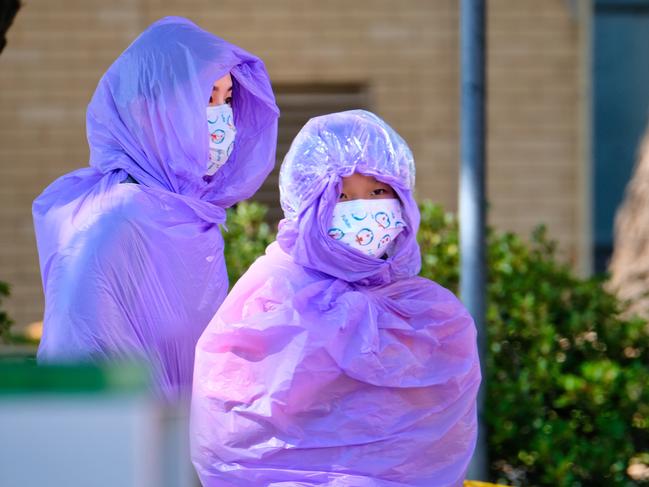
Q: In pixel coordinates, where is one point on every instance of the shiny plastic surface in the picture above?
(137, 270)
(325, 366)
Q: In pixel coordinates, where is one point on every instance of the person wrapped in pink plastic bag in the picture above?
(331, 362)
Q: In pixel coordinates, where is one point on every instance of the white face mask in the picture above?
(220, 123)
(369, 226)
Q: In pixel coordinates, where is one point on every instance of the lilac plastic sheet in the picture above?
(136, 271)
(325, 366)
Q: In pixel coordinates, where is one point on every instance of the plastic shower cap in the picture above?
(338, 145)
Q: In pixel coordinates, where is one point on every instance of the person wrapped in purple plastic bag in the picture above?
(331, 362)
(181, 126)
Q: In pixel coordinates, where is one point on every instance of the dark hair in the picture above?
(8, 10)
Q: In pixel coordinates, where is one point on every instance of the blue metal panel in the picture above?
(620, 5)
(621, 100)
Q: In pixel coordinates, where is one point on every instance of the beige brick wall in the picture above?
(535, 165)
(405, 52)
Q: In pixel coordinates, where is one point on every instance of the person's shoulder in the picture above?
(117, 217)
(424, 289)
(270, 284)
(425, 285)
(275, 269)
(132, 200)
(128, 205)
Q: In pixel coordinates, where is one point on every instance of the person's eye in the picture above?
(228, 100)
(379, 192)
(211, 100)
(342, 196)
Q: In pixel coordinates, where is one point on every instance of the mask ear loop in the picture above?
(339, 186)
(208, 177)
(335, 181)
(332, 189)
(220, 112)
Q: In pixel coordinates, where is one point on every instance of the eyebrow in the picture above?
(216, 88)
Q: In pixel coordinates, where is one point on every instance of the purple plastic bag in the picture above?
(325, 366)
(136, 271)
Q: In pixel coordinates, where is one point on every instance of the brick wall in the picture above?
(534, 120)
(405, 52)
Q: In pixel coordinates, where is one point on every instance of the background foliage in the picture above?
(5, 322)
(247, 236)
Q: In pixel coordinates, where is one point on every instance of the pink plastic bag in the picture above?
(325, 366)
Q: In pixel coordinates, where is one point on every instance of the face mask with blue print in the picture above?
(370, 226)
(220, 123)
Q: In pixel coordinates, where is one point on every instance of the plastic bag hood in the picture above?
(147, 115)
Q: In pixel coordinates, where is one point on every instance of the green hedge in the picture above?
(247, 236)
(567, 398)
(5, 322)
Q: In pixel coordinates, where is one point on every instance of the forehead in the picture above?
(223, 83)
(358, 179)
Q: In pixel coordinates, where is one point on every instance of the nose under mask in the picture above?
(222, 132)
(369, 226)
